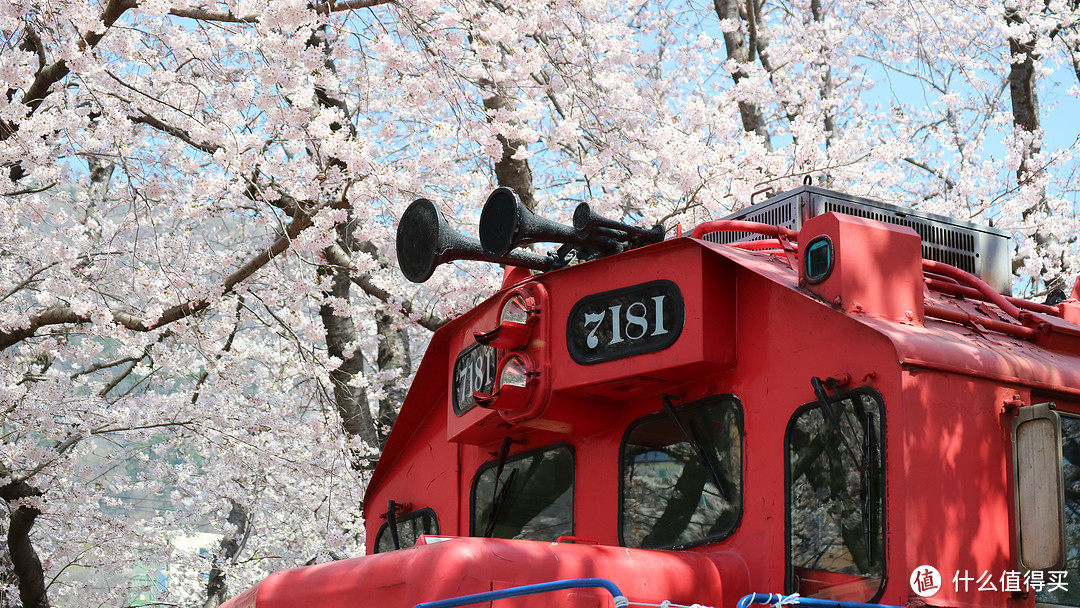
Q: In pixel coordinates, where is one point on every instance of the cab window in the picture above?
(532, 499)
(1054, 587)
(682, 475)
(836, 507)
(409, 528)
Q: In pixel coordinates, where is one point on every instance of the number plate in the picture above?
(625, 322)
(474, 372)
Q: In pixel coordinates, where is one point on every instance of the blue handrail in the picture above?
(807, 602)
(571, 583)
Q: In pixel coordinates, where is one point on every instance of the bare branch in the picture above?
(207, 15)
(334, 7)
(119, 377)
(141, 427)
(176, 132)
(30, 190)
(32, 42)
(100, 366)
(932, 171)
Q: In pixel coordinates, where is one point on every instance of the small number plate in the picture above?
(474, 372)
(625, 322)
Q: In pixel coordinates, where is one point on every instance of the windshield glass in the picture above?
(835, 499)
(534, 498)
(682, 479)
(409, 526)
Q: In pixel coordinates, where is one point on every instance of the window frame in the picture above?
(404, 517)
(699, 403)
(1062, 409)
(789, 567)
(494, 463)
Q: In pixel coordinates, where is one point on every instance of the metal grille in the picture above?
(940, 243)
(980, 250)
(775, 215)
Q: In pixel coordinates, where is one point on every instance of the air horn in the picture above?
(425, 240)
(506, 223)
(587, 221)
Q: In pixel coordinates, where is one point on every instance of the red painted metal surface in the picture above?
(941, 351)
(470, 565)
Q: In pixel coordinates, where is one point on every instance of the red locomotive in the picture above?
(823, 395)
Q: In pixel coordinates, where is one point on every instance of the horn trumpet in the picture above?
(587, 221)
(425, 240)
(506, 223)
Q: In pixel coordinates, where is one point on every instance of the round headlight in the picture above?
(517, 317)
(515, 310)
(515, 372)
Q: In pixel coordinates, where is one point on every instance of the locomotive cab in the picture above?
(813, 409)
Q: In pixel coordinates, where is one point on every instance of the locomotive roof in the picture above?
(940, 344)
(980, 345)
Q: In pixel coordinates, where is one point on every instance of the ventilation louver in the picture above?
(980, 250)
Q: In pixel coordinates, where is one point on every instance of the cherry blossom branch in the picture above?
(71, 440)
(47, 76)
(201, 14)
(72, 562)
(337, 256)
(821, 169)
(26, 281)
(224, 349)
(59, 315)
(949, 183)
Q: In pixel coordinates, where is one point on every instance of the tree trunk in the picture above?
(1022, 84)
(24, 559)
(509, 171)
(393, 355)
(1025, 113)
(351, 400)
(742, 52)
(231, 544)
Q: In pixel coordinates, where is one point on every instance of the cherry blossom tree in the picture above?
(202, 327)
